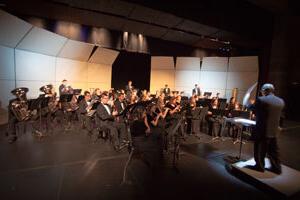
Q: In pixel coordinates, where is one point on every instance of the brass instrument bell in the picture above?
(46, 89)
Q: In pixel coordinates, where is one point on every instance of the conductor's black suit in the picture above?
(268, 110)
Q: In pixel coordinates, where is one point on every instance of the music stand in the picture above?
(201, 102)
(38, 104)
(77, 91)
(207, 94)
(65, 97)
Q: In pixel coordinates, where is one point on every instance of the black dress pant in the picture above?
(12, 126)
(267, 147)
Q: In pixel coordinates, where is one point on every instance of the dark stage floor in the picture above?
(70, 166)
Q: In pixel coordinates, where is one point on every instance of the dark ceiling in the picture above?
(206, 24)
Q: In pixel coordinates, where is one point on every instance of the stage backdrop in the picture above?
(162, 72)
(32, 57)
(131, 66)
(215, 74)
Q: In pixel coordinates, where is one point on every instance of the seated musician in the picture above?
(173, 107)
(173, 116)
(107, 120)
(145, 96)
(214, 120)
(178, 99)
(96, 94)
(156, 116)
(232, 129)
(13, 118)
(84, 108)
(133, 98)
(120, 105)
(231, 104)
(145, 141)
(46, 112)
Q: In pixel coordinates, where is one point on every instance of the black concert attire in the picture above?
(167, 91)
(196, 91)
(68, 108)
(120, 107)
(232, 129)
(12, 122)
(268, 111)
(44, 124)
(215, 122)
(128, 89)
(106, 120)
(147, 144)
(63, 89)
(95, 97)
(172, 120)
(193, 119)
(157, 131)
(84, 119)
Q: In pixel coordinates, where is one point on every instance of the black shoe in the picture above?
(275, 170)
(12, 140)
(255, 167)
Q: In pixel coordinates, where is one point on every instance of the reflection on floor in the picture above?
(68, 165)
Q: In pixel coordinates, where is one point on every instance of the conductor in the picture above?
(268, 109)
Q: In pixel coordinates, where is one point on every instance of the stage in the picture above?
(68, 165)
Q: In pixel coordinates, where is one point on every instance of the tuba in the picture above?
(48, 90)
(19, 107)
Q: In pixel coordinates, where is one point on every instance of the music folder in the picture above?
(77, 91)
(95, 105)
(40, 102)
(65, 97)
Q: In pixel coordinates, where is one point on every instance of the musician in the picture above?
(155, 116)
(193, 114)
(231, 104)
(84, 108)
(214, 119)
(196, 90)
(64, 88)
(173, 117)
(96, 94)
(268, 109)
(133, 98)
(178, 100)
(107, 120)
(120, 105)
(13, 119)
(129, 88)
(166, 90)
(45, 112)
(173, 106)
(147, 142)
